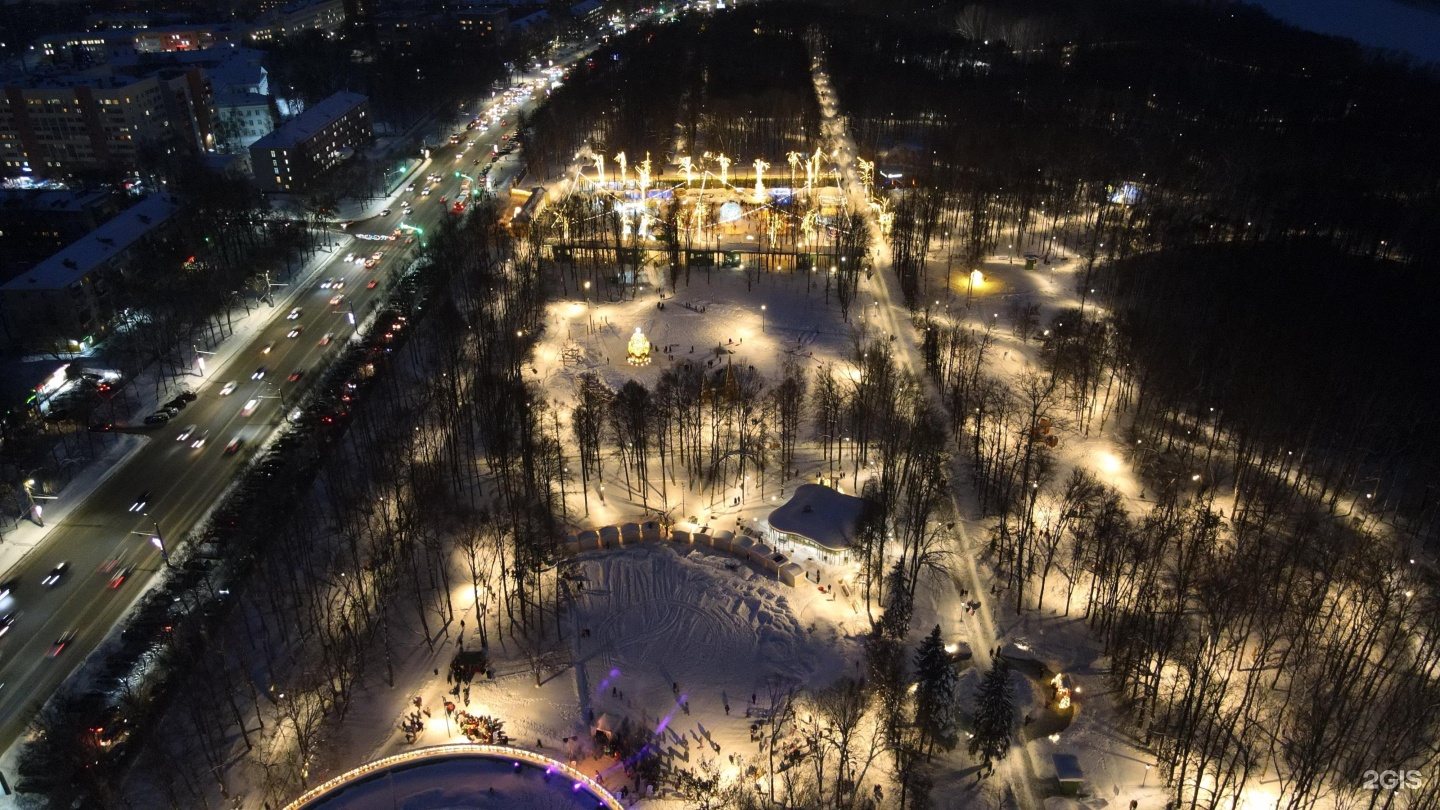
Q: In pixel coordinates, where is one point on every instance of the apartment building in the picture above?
(59, 125)
(68, 298)
(297, 18)
(289, 158)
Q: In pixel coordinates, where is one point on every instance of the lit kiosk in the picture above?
(820, 517)
(638, 352)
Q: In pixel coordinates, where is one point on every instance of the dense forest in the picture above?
(735, 83)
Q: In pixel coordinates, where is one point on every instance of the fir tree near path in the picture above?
(936, 712)
(994, 719)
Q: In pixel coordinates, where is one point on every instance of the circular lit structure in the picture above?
(483, 775)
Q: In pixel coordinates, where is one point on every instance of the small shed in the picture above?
(789, 572)
(723, 539)
(741, 546)
(760, 553)
(570, 546)
(589, 540)
(609, 536)
(1068, 773)
(651, 532)
(630, 533)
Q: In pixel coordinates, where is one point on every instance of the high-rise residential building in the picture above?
(101, 120)
(289, 158)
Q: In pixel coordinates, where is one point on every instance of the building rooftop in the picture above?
(71, 264)
(310, 122)
(821, 515)
(49, 200)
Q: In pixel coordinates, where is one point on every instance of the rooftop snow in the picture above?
(820, 514)
(114, 237)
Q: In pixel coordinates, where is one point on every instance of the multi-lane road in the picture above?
(103, 535)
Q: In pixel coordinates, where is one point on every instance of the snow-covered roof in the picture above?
(114, 237)
(311, 121)
(821, 515)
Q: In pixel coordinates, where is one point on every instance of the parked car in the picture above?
(157, 418)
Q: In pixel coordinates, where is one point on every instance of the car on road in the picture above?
(259, 374)
(102, 427)
(294, 314)
(372, 284)
(294, 333)
(141, 501)
(249, 407)
(61, 643)
(338, 285)
(349, 257)
(120, 576)
(200, 440)
(267, 347)
(296, 375)
(7, 588)
(326, 338)
(229, 388)
(185, 434)
(327, 283)
(53, 578)
(370, 264)
(5, 622)
(234, 446)
(385, 213)
(335, 300)
(157, 418)
(170, 411)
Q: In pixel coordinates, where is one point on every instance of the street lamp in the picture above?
(158, 541)
(762, 318)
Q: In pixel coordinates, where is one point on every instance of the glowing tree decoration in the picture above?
(687, 167)
(644, 171)
(637, 353)
(620, 161)
(760, 167)
(724, 169)
(807, 228)
(812, 165)
(599, 166)
(867, 176)
(819, 159)
(793, 158)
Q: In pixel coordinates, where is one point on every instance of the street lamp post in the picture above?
(158, 541)
(762, 318)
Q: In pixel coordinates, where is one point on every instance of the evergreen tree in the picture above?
(935, 709)
(994, 715)
(899, 604)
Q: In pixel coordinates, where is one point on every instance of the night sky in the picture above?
(1412, 27)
